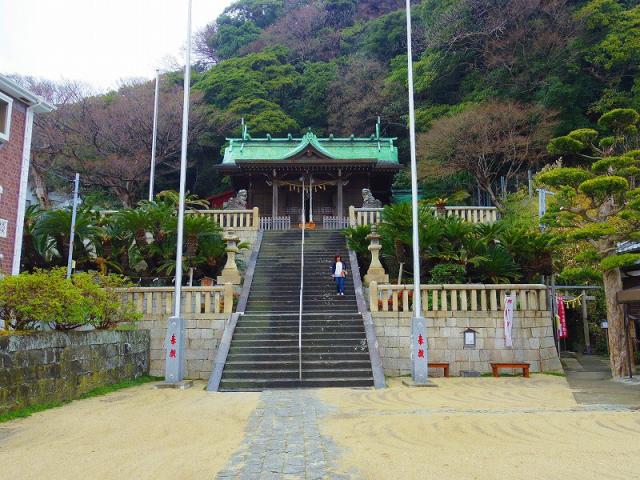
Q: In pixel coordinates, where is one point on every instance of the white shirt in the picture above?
(338, 272)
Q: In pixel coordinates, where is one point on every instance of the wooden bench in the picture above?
(443, 365)
(495, 367)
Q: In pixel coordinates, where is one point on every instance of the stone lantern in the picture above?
(376, 271)
(230, 272)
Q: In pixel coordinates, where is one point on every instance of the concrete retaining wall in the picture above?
(55, 366)
(202, 337)
(532, 340)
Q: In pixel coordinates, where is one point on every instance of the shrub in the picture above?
(107, 307)
(31, 299)
(448, 273)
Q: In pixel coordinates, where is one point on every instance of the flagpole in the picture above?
(152, 173)
(420, 370)
(174, 360)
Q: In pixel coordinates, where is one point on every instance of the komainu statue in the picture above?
(368, 200)
(239, 202)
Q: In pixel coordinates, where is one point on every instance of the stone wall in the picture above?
(55, 366)
(202, 337)
(532, 334)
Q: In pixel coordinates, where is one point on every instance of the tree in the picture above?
(108, 138)
(305, 32)
(357, 96)
(611, 50)
(489, 140)
(598, 205)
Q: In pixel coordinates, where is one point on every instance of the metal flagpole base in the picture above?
(410, 383)
(182, 385)
(419, 357)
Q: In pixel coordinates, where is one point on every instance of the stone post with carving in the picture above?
(376, 271)
(230, 272)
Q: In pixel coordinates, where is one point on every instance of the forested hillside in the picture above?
(541, 67)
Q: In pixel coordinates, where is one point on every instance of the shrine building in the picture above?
(272, 171)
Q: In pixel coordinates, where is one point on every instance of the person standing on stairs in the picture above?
(339, 271)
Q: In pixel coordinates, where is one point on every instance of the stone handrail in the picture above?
(364, 216)
(368, 216)
(451, 298)
(472, 214)
(197, 302)
(227, 219)
(234, 219)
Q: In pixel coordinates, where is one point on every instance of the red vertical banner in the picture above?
(561, 318)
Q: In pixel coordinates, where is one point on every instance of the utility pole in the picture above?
(152, 173)
(72, 234)
(174, 342)
(420, 363)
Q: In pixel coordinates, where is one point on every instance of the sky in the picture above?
(99, 42)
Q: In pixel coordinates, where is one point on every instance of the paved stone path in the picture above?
(283, 441)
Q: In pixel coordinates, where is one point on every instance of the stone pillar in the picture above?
(339, 206)
(274, 196)
(376, 271)
(230, 273)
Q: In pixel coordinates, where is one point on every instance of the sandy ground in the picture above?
(137, 433)
(481, 429)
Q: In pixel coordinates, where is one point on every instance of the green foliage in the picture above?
(106, 306)
(619, 119)
(558, 177)
(493, 253)
(619, 261)
(566, 144)
(447, 273)
(598, 208)
(602, 187)
(357, 238)
(579, 276)
(30, 300)
(585, 136)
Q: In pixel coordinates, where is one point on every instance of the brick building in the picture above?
(17, 108)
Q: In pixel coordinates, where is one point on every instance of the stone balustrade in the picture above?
(364, 216)
(240, 220)
(471, 214)
(234, 219)
(369, 216)
(452, 298)
(197, 302)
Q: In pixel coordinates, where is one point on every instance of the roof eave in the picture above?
(14, 90)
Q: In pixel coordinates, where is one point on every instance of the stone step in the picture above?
(294, 356)
(293, 372)
(244, 385)
(293, 363)
(330, 340)
(307, 349)
(314, 337)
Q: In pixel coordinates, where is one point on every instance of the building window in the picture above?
(6, 103)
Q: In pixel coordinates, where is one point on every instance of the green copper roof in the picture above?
(374, 148)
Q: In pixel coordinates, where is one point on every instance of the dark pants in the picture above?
(340, 284)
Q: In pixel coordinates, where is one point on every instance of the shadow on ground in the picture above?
(589, 376)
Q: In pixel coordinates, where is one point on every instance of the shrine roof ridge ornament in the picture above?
(374, 148)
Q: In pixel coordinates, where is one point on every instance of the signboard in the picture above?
(4, 228)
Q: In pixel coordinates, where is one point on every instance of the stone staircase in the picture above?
(264, 348)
